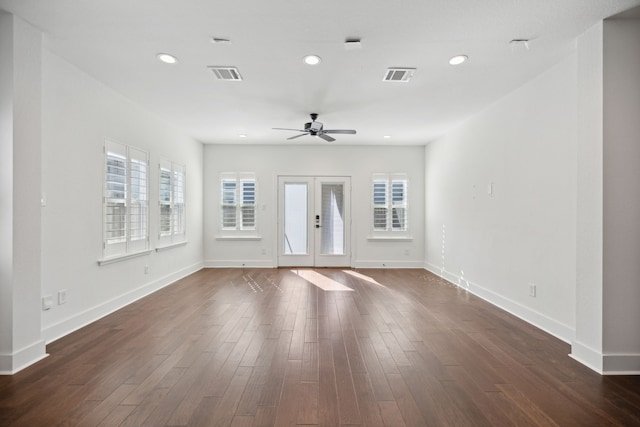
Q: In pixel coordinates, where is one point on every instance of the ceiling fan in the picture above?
(314, 128)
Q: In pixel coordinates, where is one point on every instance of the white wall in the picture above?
(621, 125)
(357, 162)
(6, 193)
(608, 233)
(587, 344)
(524, 233)
(20, 91)
(78, 114)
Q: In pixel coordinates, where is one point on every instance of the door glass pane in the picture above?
(295, 218)
(332, 235)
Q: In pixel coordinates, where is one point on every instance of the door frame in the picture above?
(313, 181)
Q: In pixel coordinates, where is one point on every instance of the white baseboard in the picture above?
(53, 332)
(260, 263)
(621, 364)
(605, 363)
(387, 264)
(27, 356)
(239, 263)
(589, 357)
(547, 324)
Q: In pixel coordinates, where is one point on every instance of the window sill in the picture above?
(170, 246)
(390, 238)
(238, 238)
(118, 258)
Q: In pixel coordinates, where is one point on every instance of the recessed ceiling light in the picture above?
(312, 59)
(166, 58)
(459, 59)
(242, 135)
(387, 136)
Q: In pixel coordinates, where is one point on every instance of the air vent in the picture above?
(399, 75)
(226, 73)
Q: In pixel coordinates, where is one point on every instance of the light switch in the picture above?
(62, 296)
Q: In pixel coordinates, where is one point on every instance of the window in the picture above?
(171, 187)
(389, 202)
(126, 201)
(238, 201)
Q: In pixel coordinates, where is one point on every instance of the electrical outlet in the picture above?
(532, 290)
(406, 251)
(47, 302)
(62, 296)
(146, 269)
(263, 251)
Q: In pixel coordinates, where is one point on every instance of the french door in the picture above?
(314, 221)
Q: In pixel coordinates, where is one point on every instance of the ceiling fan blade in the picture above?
(297, 136)
(297, 130)
(326, 137)
(343, 131)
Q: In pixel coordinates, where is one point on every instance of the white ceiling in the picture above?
(116, 41)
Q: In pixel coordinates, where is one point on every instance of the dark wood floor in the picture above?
(265, 347)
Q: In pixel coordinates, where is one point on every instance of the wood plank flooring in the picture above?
(265, 347)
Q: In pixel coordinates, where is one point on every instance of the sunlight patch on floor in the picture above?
(363, 277)
(323, 282)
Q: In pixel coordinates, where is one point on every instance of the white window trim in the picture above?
(390, 234)
(118, 258)
(240, 238)
(171, 246)
(174, 237)
(127, 247)
(238, 233)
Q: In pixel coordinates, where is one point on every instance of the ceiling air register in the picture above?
(226, 73)
(398, 75)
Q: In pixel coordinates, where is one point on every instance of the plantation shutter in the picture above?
(139, 200)
(380, 204)
(248, 208)
(228, 202)
(238, 200)
(115, 199)
(399, 204)
(126, 199)
(390, 208)
(179, 201)
(165, 198)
